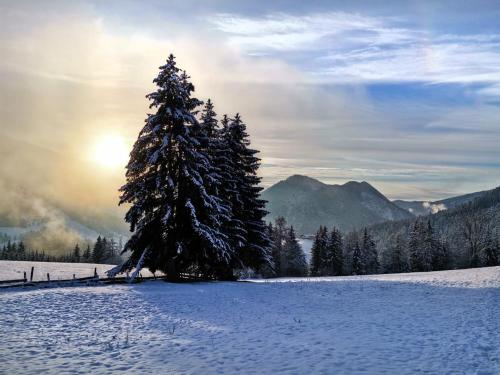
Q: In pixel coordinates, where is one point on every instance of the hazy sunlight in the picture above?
(110, 151)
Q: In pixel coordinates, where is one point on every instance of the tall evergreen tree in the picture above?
(415, 246)
(318, 251)
(426, 252)
(293, 261)
(441, 258)
(490, 251)
(429, 256)
(247, 208)
(76, 253)
(358, 266)
(369, 254)
(473, 229)
(398, 259)
(104, 250)
(333, 258)
(349, 241)
(175, 220)
(278, 236)
(221, 175)
(271, 269)
(315, 254)
(21, 251)
(98, 252)
(111, 251)
(87, 255)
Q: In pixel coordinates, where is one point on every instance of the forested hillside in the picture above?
(465, 236)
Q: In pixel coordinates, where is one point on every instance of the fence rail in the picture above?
(13, 281)
(89, 280)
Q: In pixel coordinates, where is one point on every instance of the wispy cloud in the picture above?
(282, 32)
(348, 47)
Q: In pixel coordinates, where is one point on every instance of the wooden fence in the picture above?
(89, 280)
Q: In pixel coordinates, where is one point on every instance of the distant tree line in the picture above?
(463, 237)
(104, 251)
(288, 258)
(421, 250)
(326, 253)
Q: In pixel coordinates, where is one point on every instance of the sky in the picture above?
(402, 94)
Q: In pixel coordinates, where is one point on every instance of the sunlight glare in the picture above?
(110, 151)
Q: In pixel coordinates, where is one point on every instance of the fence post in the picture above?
(48, 277)
(25, 279)
(31, 275)
(95, 272)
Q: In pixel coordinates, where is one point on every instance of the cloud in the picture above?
(282, 32)
(71, 74)
(349, 47)
(434, 208)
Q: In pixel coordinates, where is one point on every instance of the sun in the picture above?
(110, 151)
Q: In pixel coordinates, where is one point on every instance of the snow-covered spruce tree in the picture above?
(350, 239)
(398, 257)
(490, 250)
(87, 255)
(415, 246)
(293, 260)
(430, 248)
(277, 237)
(369, 254)
(270, 269)
(423, 247)
(441, 260)
(251, 244)
(175, 220)
(333, 259)
(21, 251)
(98, 251)
(318, 252)
(223, 178)
(358, 266)
(220, 181)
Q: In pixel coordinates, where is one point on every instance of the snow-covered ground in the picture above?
(488, 277)
(436, 323)
(13, 270)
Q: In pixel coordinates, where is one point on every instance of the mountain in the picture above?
(421, 208)
(307, 203)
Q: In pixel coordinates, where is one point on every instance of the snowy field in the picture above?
(12, 270)
(488, 277)
(437, 323)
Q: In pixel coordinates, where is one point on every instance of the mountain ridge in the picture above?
(307, 203)
(422, 208)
